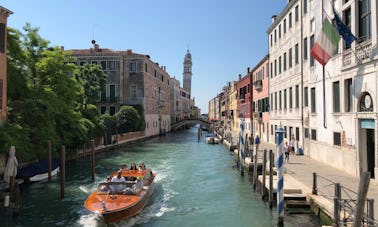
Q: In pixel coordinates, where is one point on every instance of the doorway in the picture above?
(370, 151)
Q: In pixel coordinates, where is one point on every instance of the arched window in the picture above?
(366, 103)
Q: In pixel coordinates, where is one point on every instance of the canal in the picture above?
(196, 185)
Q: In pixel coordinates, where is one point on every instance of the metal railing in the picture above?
(344, 200)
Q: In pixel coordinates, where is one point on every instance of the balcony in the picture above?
(257, 84)
(361, 52)
(258, 116)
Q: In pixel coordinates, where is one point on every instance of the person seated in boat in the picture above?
(133, 166)
(118, 177)
(124, 167)
(142, 166)
(138, 185)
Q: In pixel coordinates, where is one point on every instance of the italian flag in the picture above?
(326, 43)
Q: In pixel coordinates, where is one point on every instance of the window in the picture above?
(285, 100)
(296, 53)
(312, 25)
(305, 96)
(290, 97)
(284, 61)
(296, 14)
(275, 100)
(112, 110)
(133, 91)
(304, 6)
(103, 95)
(337, 138)
(2, 37)
(290, 57)
(112, 93)
(348, 95)
(313, 134)
(296, 96)
(111, 65)
(103, 65)
(279, 31)
(271, 100)
(1, 94)
(313, 100)
(336, 96)
(145, 67)
(271, 39)
(271, 70)
(275, 36)
(284, 26)
(364, 12)
(297, 133)
(275, 67)
(271, 129)
(133, 66)
(280, 100)
(103, 110)
(94, 62)
(290, 20)
(306, 132)
(312, 41)
(347, 20)
(305, 54)
(279, 65)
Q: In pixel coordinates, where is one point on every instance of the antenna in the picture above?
(93, 30)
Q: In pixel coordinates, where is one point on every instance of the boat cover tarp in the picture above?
(38, 168)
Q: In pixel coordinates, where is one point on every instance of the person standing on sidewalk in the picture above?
(292, 145)
(286, 151)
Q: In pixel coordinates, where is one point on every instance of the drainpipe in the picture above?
(302, 120)
(251, 102)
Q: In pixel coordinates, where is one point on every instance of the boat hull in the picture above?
(128, 212)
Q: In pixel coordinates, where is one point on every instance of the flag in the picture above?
(326, 43)
(343, 29)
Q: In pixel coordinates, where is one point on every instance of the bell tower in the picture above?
(187, 75)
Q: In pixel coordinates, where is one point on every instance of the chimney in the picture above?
(248, 70)
(96, 47)
(62, 48)
(129, 52)
(274, 17)
(239, 76)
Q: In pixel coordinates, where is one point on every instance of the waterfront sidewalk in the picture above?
(301, 168)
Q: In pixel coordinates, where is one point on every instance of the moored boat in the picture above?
(38, 171)
(114, 201)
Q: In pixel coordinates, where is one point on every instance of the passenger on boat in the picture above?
(142, 166)
(119, 177)
(133, 166)
(138, 185)
(124, 167)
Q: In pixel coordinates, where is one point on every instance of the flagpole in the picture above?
(324, 97)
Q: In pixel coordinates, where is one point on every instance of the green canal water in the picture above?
(196, 185)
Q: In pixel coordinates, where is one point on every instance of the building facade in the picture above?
(260, 101)
(135, 80)
(4, 14)
(329, 110)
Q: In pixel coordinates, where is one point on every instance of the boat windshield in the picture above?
(125, 188)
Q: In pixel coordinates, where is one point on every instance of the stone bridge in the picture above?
(186, 121)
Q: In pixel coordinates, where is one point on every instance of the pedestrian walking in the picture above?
(292, 145)
(286, 150)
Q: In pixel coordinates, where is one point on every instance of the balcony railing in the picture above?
(360, 53)
(257, 84)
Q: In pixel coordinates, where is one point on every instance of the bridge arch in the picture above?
(180, 123)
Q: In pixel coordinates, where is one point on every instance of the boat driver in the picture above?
(118, 178)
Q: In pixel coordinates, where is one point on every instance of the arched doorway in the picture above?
(367, 135)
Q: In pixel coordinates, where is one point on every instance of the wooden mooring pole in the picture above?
(62, 171)
(271, 160)
(92, 160)
(263, 175)
(336, 205)
(49, 159)
(363, 188)
(256, 147)
(314, 184)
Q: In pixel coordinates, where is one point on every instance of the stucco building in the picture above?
(4, 14)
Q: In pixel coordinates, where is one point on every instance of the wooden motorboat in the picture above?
(114, 201)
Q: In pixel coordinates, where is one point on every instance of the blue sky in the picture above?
(224, 37)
